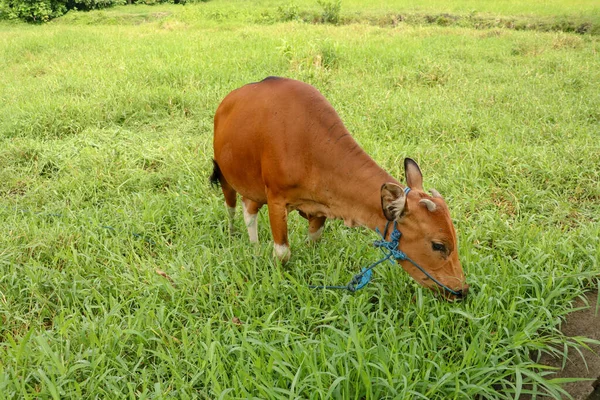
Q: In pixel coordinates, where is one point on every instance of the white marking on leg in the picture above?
(282, 252)
(231, 213)
(314, 236)
(251, 224)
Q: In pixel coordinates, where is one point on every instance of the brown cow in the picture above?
(279, 142)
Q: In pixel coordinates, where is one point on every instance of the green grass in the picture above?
(105, 151)
(564, 16)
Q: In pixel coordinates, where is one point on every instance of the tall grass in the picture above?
(118, 277)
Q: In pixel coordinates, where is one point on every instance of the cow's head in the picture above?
(428, 236)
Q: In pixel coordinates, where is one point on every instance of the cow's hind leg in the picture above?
(230, 201)
(278, 221)
(315, 228)
(250, 213)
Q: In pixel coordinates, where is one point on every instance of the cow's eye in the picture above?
(438, 247)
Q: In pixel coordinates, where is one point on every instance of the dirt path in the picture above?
(581, 323)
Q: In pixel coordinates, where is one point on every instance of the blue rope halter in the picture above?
(390, 248)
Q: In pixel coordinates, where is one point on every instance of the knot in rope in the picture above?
(360, 280)
(364, 276)
(392, 245)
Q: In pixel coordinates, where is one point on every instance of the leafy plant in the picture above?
(36, 11)
(288, 12)
(331, 11)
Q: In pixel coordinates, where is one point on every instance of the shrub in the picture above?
(331, 11)
(288, 12)
(38, 11)
(32, 10)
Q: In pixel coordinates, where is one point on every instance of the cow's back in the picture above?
(271, 134)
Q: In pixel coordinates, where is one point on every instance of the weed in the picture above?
(288, 12)
(331, 11)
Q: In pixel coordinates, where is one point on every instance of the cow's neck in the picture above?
(355, 184)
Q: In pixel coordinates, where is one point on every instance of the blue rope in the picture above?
(390, 247)
(361, 279)
(358, 281)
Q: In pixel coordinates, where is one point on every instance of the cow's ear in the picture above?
(393, 201)
(412, 172)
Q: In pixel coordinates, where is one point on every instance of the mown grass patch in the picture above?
(104, 157)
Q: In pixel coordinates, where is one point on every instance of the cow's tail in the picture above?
(215, 177)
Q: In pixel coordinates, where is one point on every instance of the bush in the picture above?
(32, 10)
(288, 12)
(331, 11)
(38, 11)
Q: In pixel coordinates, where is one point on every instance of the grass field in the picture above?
(118, 278)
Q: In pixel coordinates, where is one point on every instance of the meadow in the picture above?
(119, 278)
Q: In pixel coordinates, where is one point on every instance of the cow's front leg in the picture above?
(278, 220)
